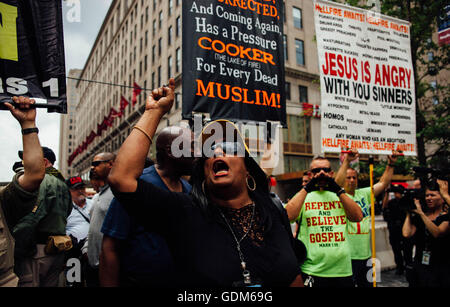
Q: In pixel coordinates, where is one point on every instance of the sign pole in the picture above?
(372, 213)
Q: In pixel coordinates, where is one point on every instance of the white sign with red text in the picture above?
(366, 80)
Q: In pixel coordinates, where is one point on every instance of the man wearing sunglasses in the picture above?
(323, 209)
(101, 166)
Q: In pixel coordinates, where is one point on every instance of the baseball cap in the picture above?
(48, 154)
(75, 182)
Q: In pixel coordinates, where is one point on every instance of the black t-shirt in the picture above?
(439, 248)
(203, 248)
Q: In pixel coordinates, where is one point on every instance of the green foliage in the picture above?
(403, 166)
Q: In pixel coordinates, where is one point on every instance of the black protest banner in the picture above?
(32, 52)
(233, 60)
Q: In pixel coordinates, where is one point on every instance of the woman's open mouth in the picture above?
(220, 168)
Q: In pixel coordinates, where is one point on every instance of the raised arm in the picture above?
(342, 172)
(443, 190)
(130, 159)
(386, 178)
(352, 209)
(33, 158)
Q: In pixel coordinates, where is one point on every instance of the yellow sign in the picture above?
(8, 32)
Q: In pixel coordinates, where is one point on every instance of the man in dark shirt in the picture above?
(394, 215)
(130, 255)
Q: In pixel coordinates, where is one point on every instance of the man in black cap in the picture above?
(34, 266)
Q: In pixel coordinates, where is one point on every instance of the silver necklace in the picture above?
(245, 272)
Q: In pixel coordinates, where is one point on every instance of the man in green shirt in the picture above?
(359, 232)
(323, 208)
(19, 197)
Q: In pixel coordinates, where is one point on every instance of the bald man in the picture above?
(131, 256)
(100, 167)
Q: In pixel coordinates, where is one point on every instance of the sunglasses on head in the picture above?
(317, 170)
(97, 163)
(229, 148)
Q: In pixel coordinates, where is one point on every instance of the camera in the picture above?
(407, 201)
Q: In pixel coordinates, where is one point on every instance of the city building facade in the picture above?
(67, 135)
(141, 42)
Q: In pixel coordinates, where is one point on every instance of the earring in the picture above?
(253, 186)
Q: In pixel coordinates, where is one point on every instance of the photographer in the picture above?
(431, 230)
(394, 213)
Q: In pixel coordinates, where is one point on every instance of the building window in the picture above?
(159, 76)
(298, 131)
(159, 46)
(285, 45)
(296, 163)
(303, 93)
(169, 36)
(297, 15)
(178, 60)
(300, 52)
(287, 87)
(178, 30)
(169, 67)
(160, 19)
(154, 27)
(153, 54)
(170, 7)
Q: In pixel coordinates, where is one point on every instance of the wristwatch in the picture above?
(340, 192)
(30, 130)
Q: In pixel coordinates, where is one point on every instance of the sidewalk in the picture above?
(390, 279)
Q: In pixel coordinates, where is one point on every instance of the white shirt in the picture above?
(77, 225)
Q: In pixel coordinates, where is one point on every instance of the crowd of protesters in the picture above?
(209, 221)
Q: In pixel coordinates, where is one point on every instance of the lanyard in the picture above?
(245, 272)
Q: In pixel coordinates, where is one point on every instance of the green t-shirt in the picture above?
(359, 232)
(323, 231)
